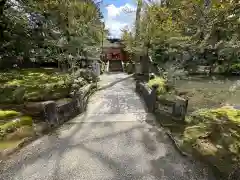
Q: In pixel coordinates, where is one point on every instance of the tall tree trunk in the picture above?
(138, 16)
(137, 57)
(2, 6)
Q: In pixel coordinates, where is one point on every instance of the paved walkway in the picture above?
(114, 140)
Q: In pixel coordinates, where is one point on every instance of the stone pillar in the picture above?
(50, 113)
(153, 99)
(138, 86)
(180, 108)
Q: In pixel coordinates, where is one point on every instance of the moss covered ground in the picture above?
(17, 86)
(214, 134)
(14, 127)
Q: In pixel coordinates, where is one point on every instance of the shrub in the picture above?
(160, 82)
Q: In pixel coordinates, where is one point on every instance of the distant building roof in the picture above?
(114, 43)
(114, 40)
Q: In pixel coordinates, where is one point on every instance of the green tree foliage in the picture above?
(199, 31)
(49, 29)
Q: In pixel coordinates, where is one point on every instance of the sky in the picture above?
(114, 16)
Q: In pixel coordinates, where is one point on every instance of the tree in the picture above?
(207, 31)
(49, 28)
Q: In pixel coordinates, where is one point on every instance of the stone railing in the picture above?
(55, 113)
(174, 106)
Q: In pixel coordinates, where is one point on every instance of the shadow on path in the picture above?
(115, 82)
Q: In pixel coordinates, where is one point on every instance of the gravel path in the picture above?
(114, 140)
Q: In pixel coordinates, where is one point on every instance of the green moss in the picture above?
(8, 144)
(215, 133)
(223, 114)
(26, 121)
(205, 147)
(14, 124)
(18, 86)
(228, 113)
(20, 133)
(161, 82)
(8, 113)
(192, 133)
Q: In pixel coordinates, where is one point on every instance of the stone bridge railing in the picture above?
(174, 106)
(55, 113)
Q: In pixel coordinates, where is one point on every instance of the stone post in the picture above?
(50, 112)
(137, 86)
(180, 108)
(153, 99)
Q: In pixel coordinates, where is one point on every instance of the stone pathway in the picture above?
(114, 140)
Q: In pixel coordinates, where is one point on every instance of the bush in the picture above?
(160, 82)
